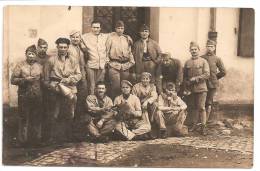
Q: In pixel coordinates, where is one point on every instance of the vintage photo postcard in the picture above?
(128, 86)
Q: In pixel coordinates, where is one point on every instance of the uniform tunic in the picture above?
(198, 69)
(172, 73)
(120, 61)
(144, 64)
(217, 71)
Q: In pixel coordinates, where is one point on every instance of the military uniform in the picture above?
(172, 73)
(217, 71)
(120, 60)
(147, 54)
(30, 104)
(94, 104)
(196, 68)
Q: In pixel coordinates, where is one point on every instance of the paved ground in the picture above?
(90, 154)
(225, 147)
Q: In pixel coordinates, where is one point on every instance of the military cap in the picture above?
(126, 82)
(146, 74)
(62, 40)
(143, 27)
(166, 54)
(41, 42)
(211, 42)
(170, 85)
(74, 32)
(120, 23)
(31, 48)
(194, 44)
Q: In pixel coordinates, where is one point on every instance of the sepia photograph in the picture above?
(128, 86)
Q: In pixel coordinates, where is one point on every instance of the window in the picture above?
(246, 32)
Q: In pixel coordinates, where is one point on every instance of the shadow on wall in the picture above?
(236, 87)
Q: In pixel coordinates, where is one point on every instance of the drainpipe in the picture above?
(212, 34)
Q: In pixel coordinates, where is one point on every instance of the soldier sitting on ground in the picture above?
(171, 113)
(146, 92)
(99, 107)
(132, 124)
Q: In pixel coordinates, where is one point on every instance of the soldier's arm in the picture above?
(92, 108)
(131, 62)
(153, 96)
(161, 106)
(221, 68)
(205, 72)
(159, 53)
(182, 104)
(16, 78)
(75, 77)
(137, 112)
(179, 79)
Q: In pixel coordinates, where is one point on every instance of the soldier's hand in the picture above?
(144, 105)
(100, 123)
(193, 79)
(65, 80)
(30, 79)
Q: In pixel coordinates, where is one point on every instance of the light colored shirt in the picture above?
(95, 45)
(93, 104)
(119, 49)
(145, 45)
(148, 93)
(76, 53)
(56, 68)
(133, 102)
(164, 102)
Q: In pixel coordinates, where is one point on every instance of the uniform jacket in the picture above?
(153, 49)
(23, 70)
(173, 72)
(56, 69)
(198, 69)
(217, 70)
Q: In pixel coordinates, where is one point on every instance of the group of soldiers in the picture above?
(104, 85)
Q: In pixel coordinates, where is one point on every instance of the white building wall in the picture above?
(179, 26)
(238, 85)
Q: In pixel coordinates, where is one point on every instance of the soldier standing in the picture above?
(196, 72)
(120, 57)
(94, 46)
(217, 71)
(27, 75)
(62, 73)
(147, 54)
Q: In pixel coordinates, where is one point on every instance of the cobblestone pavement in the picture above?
(104, 153)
